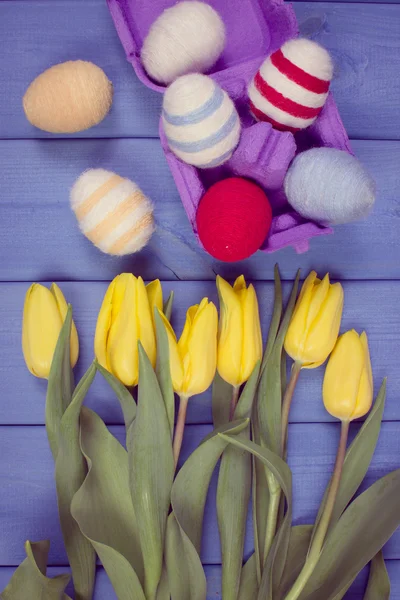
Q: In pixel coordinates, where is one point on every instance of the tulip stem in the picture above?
(234, 401)
(322, 527)
(287, 402)
(180, 427)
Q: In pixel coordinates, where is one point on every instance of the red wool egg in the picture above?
(233, 219)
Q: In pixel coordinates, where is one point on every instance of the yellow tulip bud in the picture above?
(125, 318)
(348, 386)
(155, 295)
(239, 338)
(44, 314)
(193, 358)
(315, 324)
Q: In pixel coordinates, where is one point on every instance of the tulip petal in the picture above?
(145, 321)
(322, 334)
(122, 351)
(230, 336)
(174, 356)
(155, 295)
(342, 376)
(41, 327)
(319, 295)
(103, 326)
(201, 359)
(252, 339)
(296, 335)
(183, 340)
(63, 308)
(366, 386)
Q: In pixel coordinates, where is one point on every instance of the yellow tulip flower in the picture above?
(155, 295)
(239, 338)
(124, 318)
(348, 385)
(315, 324)
(193, 358)
(44, 314)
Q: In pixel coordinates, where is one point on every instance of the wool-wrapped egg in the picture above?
(188, 37)
(291, 86)
(68, 97)
(233, 219)
(112, 212)
(200, 121)
(329, 186)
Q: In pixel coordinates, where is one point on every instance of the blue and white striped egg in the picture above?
(200, 121)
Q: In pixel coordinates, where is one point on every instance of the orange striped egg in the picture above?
(112, 212)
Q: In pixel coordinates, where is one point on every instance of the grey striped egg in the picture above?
(200, 121)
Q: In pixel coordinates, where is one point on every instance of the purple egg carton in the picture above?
(255, 29)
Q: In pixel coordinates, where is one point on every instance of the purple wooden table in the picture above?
(39, 241)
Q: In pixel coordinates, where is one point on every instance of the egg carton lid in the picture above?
(255, 29)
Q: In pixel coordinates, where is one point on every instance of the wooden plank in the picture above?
(367, 305)
(363, 41)
(40, 238)
(104, 591)
(29, 507)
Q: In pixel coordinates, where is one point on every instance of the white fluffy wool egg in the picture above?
(291, 86)
(188, 37)
(112, 212)
(200, 121)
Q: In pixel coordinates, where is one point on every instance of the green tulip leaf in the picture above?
(163, 592)
(151, 472)
(188, 498)
(221, 400)
(275, 564)
(163, 370)
(260, 502)
(360, 533)
(342, 592)
(276, 317)
(378, 582)
(70, 473)
(104, 493)
(167, 309)
(299, 542)
(125, 398)
(248, 581)
(60, 384)
(358, 458)
(29, 580)
(233, 496)
(269, 401)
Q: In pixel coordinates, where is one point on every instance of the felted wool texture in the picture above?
(188, 37)
(200, 121)
(329, 186)
(291, 86)
(233, 219)
(69, 97)
(112, 212)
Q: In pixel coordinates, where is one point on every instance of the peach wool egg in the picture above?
(291, 87)
(112, 212)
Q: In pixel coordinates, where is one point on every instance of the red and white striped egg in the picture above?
(290, 88)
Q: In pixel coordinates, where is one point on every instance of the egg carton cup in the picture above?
(254, 29)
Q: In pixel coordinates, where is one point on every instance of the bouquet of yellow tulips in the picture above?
(132, 507)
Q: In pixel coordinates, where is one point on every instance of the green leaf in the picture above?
(300, 537)
(167, 310)
(233, 496)
(70, 473)
(125, 398)
(189, 492)
(260, 501)
(248, 582)
(163, 592)
(360, 533)
(103, 507)
(151, 472)
(357, 460)
(378, 582)
(29, 581)
(276, 317)
(163, 370)
(221, 400)
(60, 384)
(277, 557)
(269, 401)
